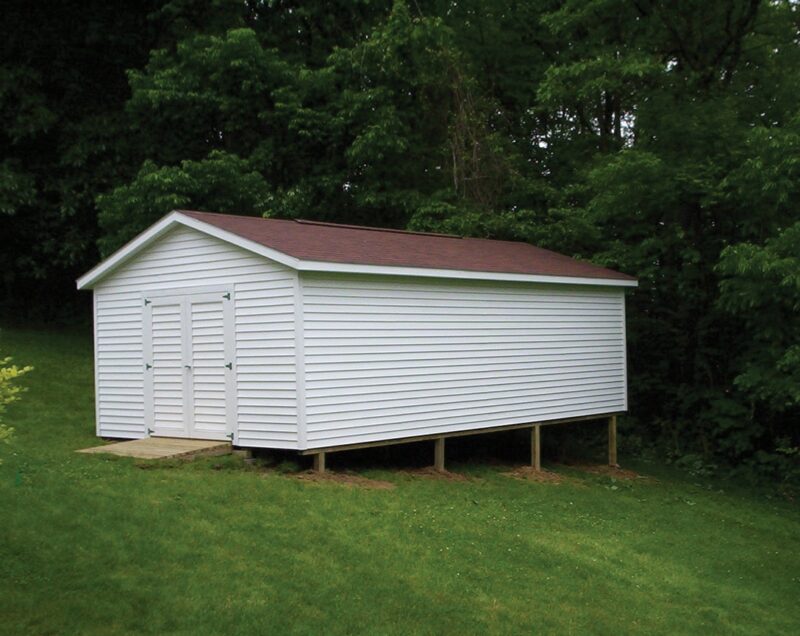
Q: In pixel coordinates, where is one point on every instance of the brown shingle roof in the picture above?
(328, 242)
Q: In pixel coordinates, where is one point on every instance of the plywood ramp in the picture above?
(163, 448)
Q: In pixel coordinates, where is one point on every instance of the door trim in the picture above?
(186, 291)
(231, 397)
(147, 354)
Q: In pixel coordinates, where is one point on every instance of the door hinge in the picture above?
(230, 366)
(147, 366)
(230, 436)
(147, 301)
(226, 295)
(150, 431)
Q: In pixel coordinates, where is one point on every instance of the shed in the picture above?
(315, 337)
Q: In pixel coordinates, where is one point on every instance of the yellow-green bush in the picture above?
(9, 392)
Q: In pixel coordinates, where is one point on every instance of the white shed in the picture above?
(314, 336)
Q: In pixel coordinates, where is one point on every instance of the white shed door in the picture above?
(189, 381)
(208, 370)
(167, 370)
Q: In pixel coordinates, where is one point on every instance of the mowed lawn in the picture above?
(91, 544)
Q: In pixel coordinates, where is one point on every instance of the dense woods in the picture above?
(660, 138)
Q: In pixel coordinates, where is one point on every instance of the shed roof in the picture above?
(317, 246)
(334, 243)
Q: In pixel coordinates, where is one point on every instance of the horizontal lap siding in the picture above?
(267, 411)
(386, 360)
(264, 324)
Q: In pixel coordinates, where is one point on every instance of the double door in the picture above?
(189, 365)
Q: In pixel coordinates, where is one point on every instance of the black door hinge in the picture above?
(226, 296)
(230, 366)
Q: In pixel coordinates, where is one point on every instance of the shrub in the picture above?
(9, 392)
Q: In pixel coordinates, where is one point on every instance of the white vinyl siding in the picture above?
(267, 408)
(263, 298)
(388, 358)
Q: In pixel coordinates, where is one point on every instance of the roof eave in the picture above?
(386, 270)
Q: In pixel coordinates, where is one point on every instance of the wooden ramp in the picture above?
(163, 448)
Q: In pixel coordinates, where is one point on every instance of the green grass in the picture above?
(98, 545)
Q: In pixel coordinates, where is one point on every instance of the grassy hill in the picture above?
(93, 544)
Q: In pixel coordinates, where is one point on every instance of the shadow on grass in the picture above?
(463, 454)
(469, 459)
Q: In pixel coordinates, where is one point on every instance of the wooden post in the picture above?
(536, 449)
(438, 455)
(319, 463)
(612, 441)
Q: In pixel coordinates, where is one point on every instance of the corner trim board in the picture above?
(300, 363)
(96, 367)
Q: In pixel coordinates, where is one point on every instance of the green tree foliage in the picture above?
(63, 139)
(760, 292)
(223, 182)
(685, 168)
(370, 136)
(762, 289)
(653, 136)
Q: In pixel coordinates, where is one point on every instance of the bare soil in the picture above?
(430, 472)
(529, 474)
(610, 471)
(345, 479)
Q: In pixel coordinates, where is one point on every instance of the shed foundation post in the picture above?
(319, 463)
(536, 448)
(438, 455)
(612, 441)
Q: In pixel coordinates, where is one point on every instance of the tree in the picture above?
(222, 182)
(62, 88)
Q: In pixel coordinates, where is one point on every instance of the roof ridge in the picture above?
(348, 226)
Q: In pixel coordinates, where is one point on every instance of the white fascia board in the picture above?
(133, 247)
(348, 268)
(235, 239)
(125, 252)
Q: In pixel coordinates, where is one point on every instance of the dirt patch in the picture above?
(346, 479)
(529, 474)
(430, 472)
(608, 471)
